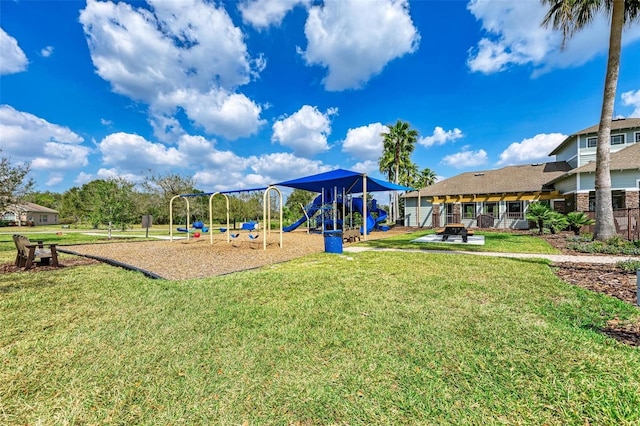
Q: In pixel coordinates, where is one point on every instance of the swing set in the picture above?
(247, 226)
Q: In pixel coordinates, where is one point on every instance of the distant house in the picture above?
(499, 198)
(30, 214)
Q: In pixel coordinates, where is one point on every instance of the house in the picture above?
(30, 214)
(499, 198)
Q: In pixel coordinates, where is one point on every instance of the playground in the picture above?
(197, 258)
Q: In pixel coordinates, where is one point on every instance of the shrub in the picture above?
(614, 245)
(629, 265)
(556, 222)
(577, 220)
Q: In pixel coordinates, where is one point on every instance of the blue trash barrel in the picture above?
(333, 242)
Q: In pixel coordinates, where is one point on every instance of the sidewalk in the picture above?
(552, 257)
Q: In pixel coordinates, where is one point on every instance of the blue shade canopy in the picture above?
(351, 182)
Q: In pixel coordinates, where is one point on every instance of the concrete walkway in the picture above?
(552, 257)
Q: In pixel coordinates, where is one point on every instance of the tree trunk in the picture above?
(605, 227)
(396, 210)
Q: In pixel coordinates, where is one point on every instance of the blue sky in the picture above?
(244, 94)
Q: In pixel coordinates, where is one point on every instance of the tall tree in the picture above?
(570, 16)
(73, 206)
(109, 202)
(398, 145)
(161, 188)
(14, 184)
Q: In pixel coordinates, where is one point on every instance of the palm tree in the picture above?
(577, 220)
(427, 177)
(571, 16)
(398, 144)
(540, 214)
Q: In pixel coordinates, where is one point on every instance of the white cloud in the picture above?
(465, 158)
(231, 115)
(182, 54)
(365, 143)
(47, 146)
(54, 179)
(441, 136)
(83, 178)
(133, 152)
(514, 36)
(305, 131)
(263, 171)
(284, 166)
(531, 149)
(263, 13)
(130, 154)
(632, 98)
(46, 52)
(369, 167)
(13, 58)
(355, 40)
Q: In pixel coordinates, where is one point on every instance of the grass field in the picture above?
(365, 338)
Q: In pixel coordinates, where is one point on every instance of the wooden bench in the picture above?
(454, 229)
(29, 253)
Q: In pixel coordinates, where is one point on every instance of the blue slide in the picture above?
(310, 209)
(371, 222)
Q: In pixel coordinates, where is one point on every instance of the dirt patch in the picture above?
(70, 262)
(602, 278)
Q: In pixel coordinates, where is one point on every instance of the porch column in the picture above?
(631, 199)
(582, 202)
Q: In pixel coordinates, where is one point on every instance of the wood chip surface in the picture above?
(198, 258)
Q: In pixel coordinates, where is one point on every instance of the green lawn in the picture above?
(365, 338)
(494, 242)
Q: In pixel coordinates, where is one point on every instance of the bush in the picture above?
(614, 245)
(629, 265)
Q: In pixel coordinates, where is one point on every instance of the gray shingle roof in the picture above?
(35, 208)
(510, 179)
(624, 123)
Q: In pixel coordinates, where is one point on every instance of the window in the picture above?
(637, 137)
(490, 209)
(617, 139)
(514, 209)
(468, 210)
(45, 218)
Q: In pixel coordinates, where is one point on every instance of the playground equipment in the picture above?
(250, 227)
(324, 207)
(196, 228)
(227, 230)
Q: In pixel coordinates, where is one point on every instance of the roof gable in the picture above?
(625, 159)
(619, 124)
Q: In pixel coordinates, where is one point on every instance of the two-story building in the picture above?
(499, 198)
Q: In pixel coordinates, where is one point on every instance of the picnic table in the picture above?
(451, 229)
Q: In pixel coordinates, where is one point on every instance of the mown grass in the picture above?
(369, 338)
(494, 242)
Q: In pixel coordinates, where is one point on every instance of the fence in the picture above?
(627, 223)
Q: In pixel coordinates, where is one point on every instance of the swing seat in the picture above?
(254, 237)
